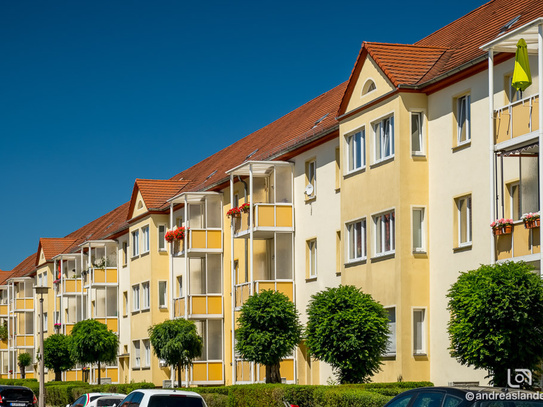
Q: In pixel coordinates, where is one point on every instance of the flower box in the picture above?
(532, 224)
(507, 229)
(234, 213)
(502, 226)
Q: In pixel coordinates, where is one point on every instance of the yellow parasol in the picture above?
(522, 78)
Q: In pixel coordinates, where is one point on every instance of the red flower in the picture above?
(233, 213)
(245, 207)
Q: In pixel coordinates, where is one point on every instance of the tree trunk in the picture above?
(180, 382)
(99, 378)
(58, 375)
(23, 373)
(272, 374)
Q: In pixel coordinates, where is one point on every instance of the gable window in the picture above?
(136, 297)
(463, 117)
(146, 300)
(416, 133)
(418, 230)
(161, 238)
(419, 332)
(356, 151)
(356, 234)
(135, 243)
(368, 87)
(463, 215)
(311, 179)
(312, 258)
(145, 239)
(384, 233)
(391, 346)
(384, 139)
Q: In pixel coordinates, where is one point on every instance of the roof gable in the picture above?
(50, 247)
(152, 194)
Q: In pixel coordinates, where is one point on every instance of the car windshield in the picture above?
(174, 400)
(108, 401)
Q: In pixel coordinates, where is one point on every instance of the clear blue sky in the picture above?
(95, 94)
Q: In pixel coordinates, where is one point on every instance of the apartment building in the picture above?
(387, 182)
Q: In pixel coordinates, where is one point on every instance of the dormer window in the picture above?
(368, 87)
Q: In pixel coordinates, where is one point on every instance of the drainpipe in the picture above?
(491, 147)
(251, 243)
(187, 272)
(232, 285)
(540, 90)
(172, 280)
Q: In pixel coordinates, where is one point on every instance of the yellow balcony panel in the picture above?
(112, 324)
(502, 126)
(198, 239)
(179, 307)
(29, 375)
(521, 242)
(215, 371)
(3, 345)
(111, 276)
(516, 120)
(99, 276)
(199, 372)
(101, 320)
(284, 216)
(214, 239)
(214, 305)
(112, 373)
(268, 285)
(71, 376)
(72, 286)
(4, 376)
(287, 369)
(266, 216)
(3, 309)
(243, 371)
(69, 328)
(198, 305)
(24, 340)
(286, 288)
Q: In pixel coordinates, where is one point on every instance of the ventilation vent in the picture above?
(508, 25)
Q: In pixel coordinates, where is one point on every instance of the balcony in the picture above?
(71, 286)
(516, 120)
(243, 371)
(243, 291)
(25, 341)
(199, 305)
(179, 307)
(100, 276)
(267, 218)
(521, 244)
(200, 242)
(24, 304)
(207, 373)
(3, 310)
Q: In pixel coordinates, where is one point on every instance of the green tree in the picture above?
(92, 342)
(56, 354)
(269, 330)
(177, 342)
(497, 319)
(24, 360)
(349, 330)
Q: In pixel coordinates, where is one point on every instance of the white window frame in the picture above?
(161, 244)
(45, 322)
(146, 295)
(146, 353)
(125, 253)
(420, 118)
(422, 248)
(165, 284)
(312, 257)
(393, 333)
(137, 353)
(311, 180)
(468, 225)
(353, 238)
(510, 186)
(379, 225)
(352, 144)
(135, 297)
(379, 138)
(135, 243)
(145, 239)
(463, 118)
(423, 331)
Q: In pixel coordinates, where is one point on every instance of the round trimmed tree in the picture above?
(24, 360)
(268, 330)
(349, 330)
(497, 319)
(56, 354)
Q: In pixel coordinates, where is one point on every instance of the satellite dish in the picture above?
(309, 190)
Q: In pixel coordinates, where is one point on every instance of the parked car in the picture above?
(17, 396)
(86, 399)
(107, 401)
(163, 398)
(465, 397)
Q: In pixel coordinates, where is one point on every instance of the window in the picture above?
(356, 151)
(419, 332)
(514, 201)
(45, 322)
(338, 251)
(416, 133)
(311, 179)
(384, 139)
(40, 280)
(463, 118)
(384, 233)
(137, 357)
(125, 254)
(125, 303)
(145, 238)
(45, 279)
(146, 301)
(135, 298)
(135, 243)
(418, 230)
(391, 346)
(338, 169)
(368, 87)
(356, 233)
(146, 353)
(179, 286)
(161, 238)
(463, 210)
(162, 296)
(312, 258)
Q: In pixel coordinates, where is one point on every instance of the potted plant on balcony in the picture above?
(531, 220)
(235, 212)
(245, 208)
(169, 236)
(502, 226)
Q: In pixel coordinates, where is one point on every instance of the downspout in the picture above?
(187, 272)
(232, 286)
(492, 167)
(540, 90)
(172, 293)
(251, 246)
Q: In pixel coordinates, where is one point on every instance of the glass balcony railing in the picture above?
(179, 307)
(520, 242)
(516, 119)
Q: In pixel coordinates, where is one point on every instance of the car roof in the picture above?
(462, 390)
(153, 392)
(103, 394)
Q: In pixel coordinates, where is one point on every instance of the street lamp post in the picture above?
(41, 291)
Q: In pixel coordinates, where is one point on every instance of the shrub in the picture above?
(215, 399)
(348, 397)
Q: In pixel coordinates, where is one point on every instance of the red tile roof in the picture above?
(53, 246)
(311, 120)
(155, 193)
(27, 266)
